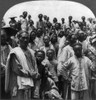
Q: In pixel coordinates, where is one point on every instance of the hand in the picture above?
(38, 76)
(3, 65)
(48, 95)
(69, 80)
(33, 74)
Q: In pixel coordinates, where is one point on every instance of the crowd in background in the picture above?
(54, 60)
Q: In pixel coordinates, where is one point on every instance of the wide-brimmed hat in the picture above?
(13, 17)
(9, 30)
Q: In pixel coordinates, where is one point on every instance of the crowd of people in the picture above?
(54, 60)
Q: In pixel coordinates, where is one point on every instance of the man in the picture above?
(57, 28)
(63, 25)
(30, 20)
(13, 22)
(92, 56)
(83, 22)
(49, 24)
(48, 87)
(5, 49)
(67, 51)
(63, 56)
(79, 67)
(54, 21)
(82, 39)
(94, 26)
(21, 70)
(24, 22)
(31, 26)
(40, 23)
(32, 44)
(45, 20)
(40, 56)
(51, 63)
(70, 21)
(39, 38)
(61, 41)
(54, 42)
(89, 24)
(47, 45)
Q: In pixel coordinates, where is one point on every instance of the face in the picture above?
(40, 56)
(46, 40)
(32, 36)
(3, 37)
(54, 39)
(61, 34)
(24, 14)
(39, 32)
(62, 20)
(57, 26)
(29, 17)
(83, 18)
(78, 51)
(47, 18)
(54, 20)
(73, 39)
(50, 54)
(70, 17)
(53, 31)
(40, 17)
(24, 40)
(81, 37)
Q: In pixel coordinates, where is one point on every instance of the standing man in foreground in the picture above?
(21, 70)
(5, 49)
(80, 67)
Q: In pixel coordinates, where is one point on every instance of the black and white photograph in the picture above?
(48, 51)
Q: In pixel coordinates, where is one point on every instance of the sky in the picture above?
(52, 9)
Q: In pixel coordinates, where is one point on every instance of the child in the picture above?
(48, 87)
(54, 42)
(32, 43)
(52, 65)
(47, 44)
(40, 56)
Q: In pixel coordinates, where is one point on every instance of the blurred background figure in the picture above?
(5, 50)
(13, 22)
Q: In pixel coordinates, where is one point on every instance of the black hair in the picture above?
(32, 32)
(20, 32)
(52, 36)
(46, 36)
(36, 52)
(40, 15)
(30, 36)
(61, 33)
(50, 50)
(81, 36)
(72, 38)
